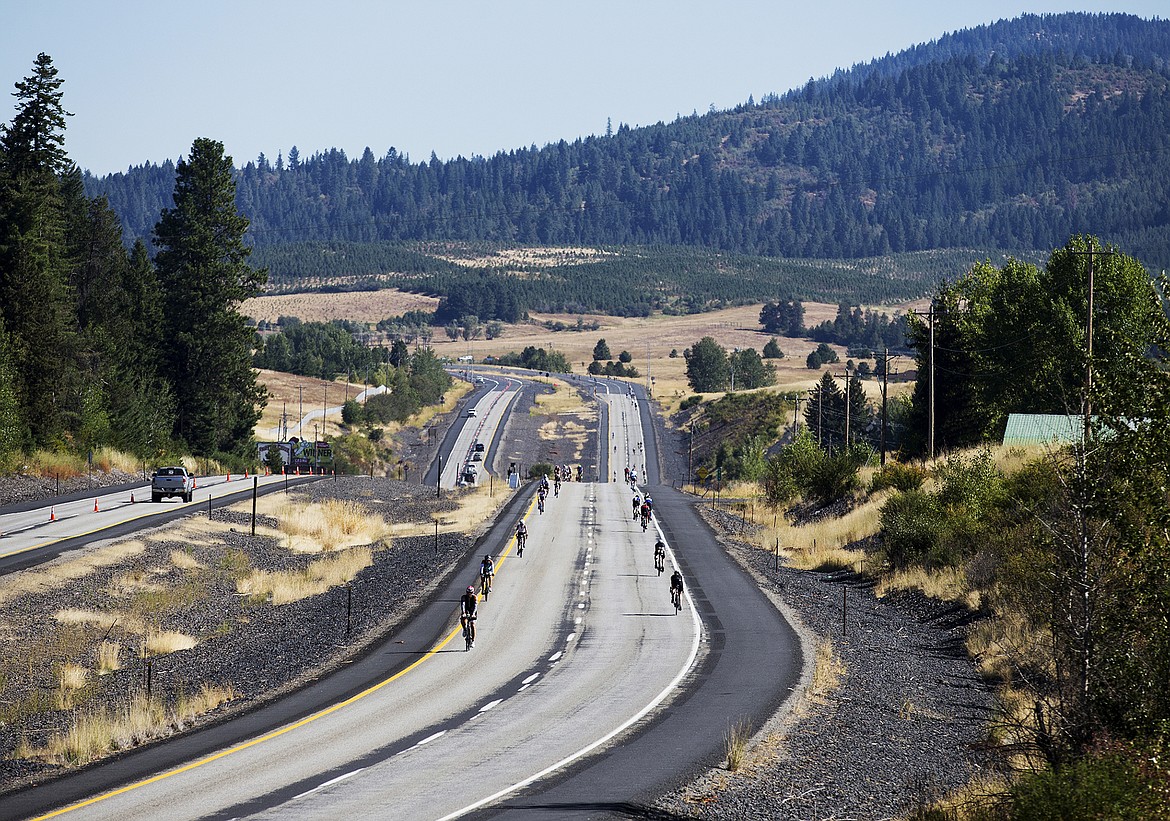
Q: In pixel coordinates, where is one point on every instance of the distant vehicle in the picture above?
(479, 380)
(471, 412)
(479, 448)
(477, 456)
(172, 481)
(470, 474)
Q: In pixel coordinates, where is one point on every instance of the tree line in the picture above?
(1057, 127)
(101, 345)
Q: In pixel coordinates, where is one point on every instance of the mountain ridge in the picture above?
(1010, 136)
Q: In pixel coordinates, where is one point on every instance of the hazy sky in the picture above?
(145, 78)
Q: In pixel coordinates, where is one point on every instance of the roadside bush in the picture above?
(351, 412)
(1120, 784)
(898, 476)
(540, 469)
(834, 478)
(690, 402)
(912, 529)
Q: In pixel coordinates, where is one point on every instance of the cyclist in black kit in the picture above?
(676, 590)
(468, 610)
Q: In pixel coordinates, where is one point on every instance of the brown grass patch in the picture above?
(95, 735)
(321, 575)
(109, 657)
(184, 560)
(68, 568)
(70, 678)
(827, 672)
(162, 642)
(944, 584)
(329, 525)
(368, 307)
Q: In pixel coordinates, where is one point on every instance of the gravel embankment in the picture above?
(904, 725)
(257, 649)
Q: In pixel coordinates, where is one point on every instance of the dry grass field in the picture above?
(358, 306)
(656, 336)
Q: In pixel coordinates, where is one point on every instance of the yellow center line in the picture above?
(276, 733)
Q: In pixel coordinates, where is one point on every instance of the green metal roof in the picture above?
(1042, 428)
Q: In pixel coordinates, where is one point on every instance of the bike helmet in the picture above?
(487, 558)
(470, 589)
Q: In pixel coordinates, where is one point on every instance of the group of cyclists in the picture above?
(643, 510)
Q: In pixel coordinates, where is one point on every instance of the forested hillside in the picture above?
(1011, 136)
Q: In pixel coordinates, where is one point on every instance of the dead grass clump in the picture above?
(109, 657)
(98, 619)
(162, 642)
(827, 672)
(317, 578)
(70, 678)
(98, 734)
(998, 643)
(66, 569)
(184, 560)
(735, 742)
(330, 525)
(944, 584)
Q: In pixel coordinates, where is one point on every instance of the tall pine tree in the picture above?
(202, 266)
(35, 297)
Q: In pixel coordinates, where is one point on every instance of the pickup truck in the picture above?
(171, 481)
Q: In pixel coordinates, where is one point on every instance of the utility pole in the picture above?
(796, 419)
(930, 400)
(885, 386)
(300, 409)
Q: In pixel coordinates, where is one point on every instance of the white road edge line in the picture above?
(658, 699)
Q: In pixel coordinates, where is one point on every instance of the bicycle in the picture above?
(676, 599)
(468, 632)
(485, 583)
(645, 521)
(521, 538)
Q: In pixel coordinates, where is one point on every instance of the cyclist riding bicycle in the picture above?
(648, 502)
(521, 537)
(660, 556)
(637, 504)
(676, 589)
(468, 607)
(487, 569)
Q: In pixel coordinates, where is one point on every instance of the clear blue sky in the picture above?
(145, 78)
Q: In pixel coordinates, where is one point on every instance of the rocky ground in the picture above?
(257, 649)
(905, 724)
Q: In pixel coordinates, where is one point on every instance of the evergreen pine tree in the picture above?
(202, 267)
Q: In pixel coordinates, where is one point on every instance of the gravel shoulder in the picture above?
(904, 725)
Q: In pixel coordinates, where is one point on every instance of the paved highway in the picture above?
(30, 534)
(576, 643)
(583, 698)
(491, 411)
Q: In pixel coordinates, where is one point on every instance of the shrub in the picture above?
(912, 529)
(1115, 784)
(833, 478)
(690, 402)
(540, 469)
(899, 476)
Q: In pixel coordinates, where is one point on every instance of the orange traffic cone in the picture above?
(95, 506)
(194, 483)
(229, 477)
(245, 473)
(131, 498)
(52, 514)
